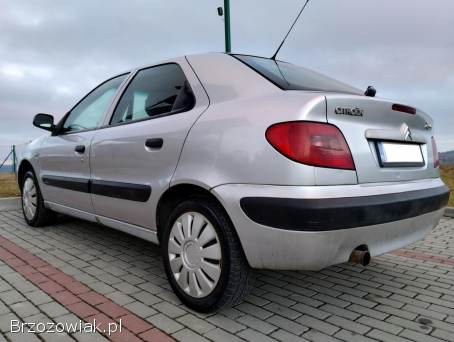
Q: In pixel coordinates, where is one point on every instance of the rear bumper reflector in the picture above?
(327, 214)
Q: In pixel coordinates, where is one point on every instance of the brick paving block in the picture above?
(51, 287)
(5, 321)
(317, 324)
(187, 335)
(374, 323)
(62, 278)
(165, 324)
(66, 298)
(254, 336)
(287, 325)
(120, 298)
(191, 321)
(93, 298)
(38, 297)
(83, 310)
(154, 335)
(11, 297)
(36, 277)
(22, 337)
(135, 324)
(140, 309)
(225, 323)
(317, 336)
(257, 324)
(219, 335)
(111, 309)
(349, 336)
(124, 335)
(53, 309)
(24, 309)
(416, 336)
(169, 309)
(282, 310)
(284, 336)
(77, 288)
(254, 310)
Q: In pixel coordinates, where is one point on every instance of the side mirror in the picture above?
(44, 121)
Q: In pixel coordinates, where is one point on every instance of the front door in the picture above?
(64, 158)
(133, 160)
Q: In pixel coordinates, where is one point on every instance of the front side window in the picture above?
(292, 77)
(89, 113)
(155, 91)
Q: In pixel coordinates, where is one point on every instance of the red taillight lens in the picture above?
(405, 109)
(435, 153)
(311, 143)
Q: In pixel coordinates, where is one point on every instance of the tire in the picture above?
(231, 284)
(31, 197)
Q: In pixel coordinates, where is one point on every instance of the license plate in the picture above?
(391, 154)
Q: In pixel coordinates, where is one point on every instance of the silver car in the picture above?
(232, 162)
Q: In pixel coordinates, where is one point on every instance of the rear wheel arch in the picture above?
(179, 193)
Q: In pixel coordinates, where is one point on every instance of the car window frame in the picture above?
(125, 88)
(61, 123)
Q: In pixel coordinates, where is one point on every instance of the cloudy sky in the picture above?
(52, 52)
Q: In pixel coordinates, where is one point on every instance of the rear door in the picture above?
(65, 158)
(376, 129)
(135, 156)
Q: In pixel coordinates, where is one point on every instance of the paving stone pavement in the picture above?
(407, 295)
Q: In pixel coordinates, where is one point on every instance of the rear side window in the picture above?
(292, 77)
(153, 92)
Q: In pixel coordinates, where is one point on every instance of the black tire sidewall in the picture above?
(211, 212)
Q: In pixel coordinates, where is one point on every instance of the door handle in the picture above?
(79, 149)
(155, 143)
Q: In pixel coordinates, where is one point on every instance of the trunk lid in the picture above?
(368, 124)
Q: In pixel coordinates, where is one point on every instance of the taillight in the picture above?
(311, 143)
(402, 108)
(435, 153)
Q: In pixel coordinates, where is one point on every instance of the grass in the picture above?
(8, 185)
(447, 173)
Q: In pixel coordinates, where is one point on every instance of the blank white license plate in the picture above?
(399, 155)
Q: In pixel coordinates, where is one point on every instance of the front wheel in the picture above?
(203, 258)
(35, 213)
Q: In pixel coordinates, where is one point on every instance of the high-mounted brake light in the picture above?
(435, 153)
(405, 109)
(311, 143)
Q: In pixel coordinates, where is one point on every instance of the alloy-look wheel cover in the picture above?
(29, 198)
(195, 254)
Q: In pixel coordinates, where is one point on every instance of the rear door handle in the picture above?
(79, 149)
(155, 143)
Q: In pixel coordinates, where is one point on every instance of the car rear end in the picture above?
(368, 169)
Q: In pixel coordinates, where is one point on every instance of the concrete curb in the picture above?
(449, 212)
(9, 203)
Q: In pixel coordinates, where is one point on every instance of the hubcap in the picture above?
(29, 198)
(195, 254)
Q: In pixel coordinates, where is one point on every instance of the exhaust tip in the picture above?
(360, 255)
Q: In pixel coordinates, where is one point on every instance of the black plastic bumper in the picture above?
(342, 213)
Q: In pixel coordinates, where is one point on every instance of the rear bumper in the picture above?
(324, 214)
(286, 227)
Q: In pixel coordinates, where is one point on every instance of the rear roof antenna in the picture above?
(291, 27)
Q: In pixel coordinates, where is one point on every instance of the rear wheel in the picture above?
(203, 258)
(35, 213)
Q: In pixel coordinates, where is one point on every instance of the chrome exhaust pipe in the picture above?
(361, 257)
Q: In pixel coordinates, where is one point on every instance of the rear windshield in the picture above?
(292, 77)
